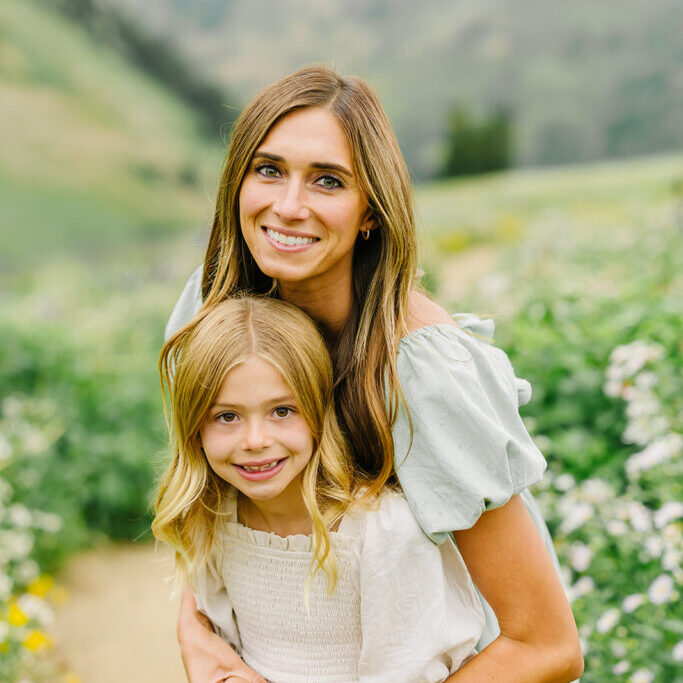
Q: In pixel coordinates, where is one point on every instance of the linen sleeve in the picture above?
(188, 304)
(420, 615)
(212, 600)
(469, 450)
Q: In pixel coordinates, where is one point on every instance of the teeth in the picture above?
(288, 240)
(261, 468)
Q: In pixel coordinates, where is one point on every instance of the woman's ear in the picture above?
(369, 223)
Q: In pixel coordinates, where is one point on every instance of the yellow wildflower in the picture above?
(71, 678)
(15, 616)
(41, 586)
(37, 640)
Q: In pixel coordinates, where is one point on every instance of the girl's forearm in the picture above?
(507, 660)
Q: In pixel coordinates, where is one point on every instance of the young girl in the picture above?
(308, 576)
(315, 205)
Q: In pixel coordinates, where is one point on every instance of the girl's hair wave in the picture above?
(384, 266)
(193, 365)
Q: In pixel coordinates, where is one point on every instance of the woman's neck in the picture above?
(329, 304)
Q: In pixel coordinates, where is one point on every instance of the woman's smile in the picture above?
(300, 204)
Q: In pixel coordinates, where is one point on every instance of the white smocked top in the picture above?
(404, 609)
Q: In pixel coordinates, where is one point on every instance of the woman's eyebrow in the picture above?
(322, 165)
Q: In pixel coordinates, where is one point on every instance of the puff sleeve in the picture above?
(212, 600)
(188, 304)
(420, 615)
(469, 450)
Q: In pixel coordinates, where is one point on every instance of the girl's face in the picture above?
(300, 204)
(254, 436)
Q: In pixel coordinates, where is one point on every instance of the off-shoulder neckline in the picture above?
(462, 324)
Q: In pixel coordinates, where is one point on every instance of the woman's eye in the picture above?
(329, 182)
(267, 170)
(282, 411)
(226, 417)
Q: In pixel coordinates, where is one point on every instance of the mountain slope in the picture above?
(93, 154)
(586, 80)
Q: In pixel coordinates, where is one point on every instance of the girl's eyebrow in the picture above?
(287, 398)
(322, 165)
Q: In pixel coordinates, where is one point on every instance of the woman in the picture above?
(315, 206)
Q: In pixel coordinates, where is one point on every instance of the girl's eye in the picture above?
(267, 170)
(329, 182)
(282, 411)
(226, 417)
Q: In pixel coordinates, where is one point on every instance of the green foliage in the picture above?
(100, 393)
(593, 315)
(477, 146)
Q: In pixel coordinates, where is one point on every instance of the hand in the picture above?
(207, 658)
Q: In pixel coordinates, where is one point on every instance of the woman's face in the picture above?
(301, 207)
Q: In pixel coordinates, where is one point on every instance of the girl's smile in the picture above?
(300, 204)
(254, 436)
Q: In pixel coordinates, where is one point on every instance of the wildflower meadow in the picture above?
(586, 296)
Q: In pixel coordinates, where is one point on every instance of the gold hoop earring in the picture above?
(366, 234)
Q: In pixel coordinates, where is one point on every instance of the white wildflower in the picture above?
(12, 407)
(671, 560)
(5, 448)
(48, 521)
(632, 602)
(27, 571)
(659, 451)
(5, 587)
(580, 556)
(36, 607)
(582, 587)
(596, 490)
(17, 544)
(669, 512)
(646, 380)
(661, 590)
(34, 441)
(19, 516)
(654, 546)
(677, 652)
(621, 667)
(639, 516)
(613, 388)
(642, 676)
(607, 621)
(617, 527)
(579, 514)
(564, 482)
(643, 405)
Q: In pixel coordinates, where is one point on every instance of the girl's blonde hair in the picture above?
(384, 266)
(193, 365)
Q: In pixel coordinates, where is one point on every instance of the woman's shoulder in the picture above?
(439, 347)
(423, 312)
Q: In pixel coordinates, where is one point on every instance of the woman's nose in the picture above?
(290, 204)
(256, 436)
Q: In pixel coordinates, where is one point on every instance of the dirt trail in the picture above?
(118, 623)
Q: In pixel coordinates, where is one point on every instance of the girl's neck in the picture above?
(281, 517)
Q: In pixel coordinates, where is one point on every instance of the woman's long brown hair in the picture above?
(384, 266)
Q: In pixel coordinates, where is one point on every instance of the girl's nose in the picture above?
(256, 436)
(290, 204)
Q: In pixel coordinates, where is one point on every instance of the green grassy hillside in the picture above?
(93, 154)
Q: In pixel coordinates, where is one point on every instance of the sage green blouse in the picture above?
(470, 450)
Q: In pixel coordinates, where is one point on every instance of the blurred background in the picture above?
(545, 140)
